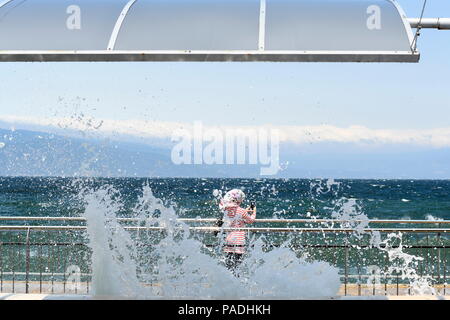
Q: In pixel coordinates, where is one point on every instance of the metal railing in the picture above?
(311, 220)
(35, 258)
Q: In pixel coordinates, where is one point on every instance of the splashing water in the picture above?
(113, 269)
(173, 264)
(349, 210)
(404, 264)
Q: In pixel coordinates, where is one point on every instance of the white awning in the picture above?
(205, 30)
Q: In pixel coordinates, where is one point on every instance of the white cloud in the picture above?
(438, 137)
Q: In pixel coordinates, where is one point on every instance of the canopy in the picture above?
(205, 30)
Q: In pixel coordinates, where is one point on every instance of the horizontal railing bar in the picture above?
(383, 276)
(9, 243)
(375, 221)
(328, 221)
(47, 218)
(48, 228)
(300, 230)
(218, 229)
(49, 274)
(329, 246)
(18, 273)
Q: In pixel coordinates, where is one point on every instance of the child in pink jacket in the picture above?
(235, 217)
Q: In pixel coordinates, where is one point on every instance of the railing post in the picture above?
(386, 268)
(346, 264)
(359, 279)
(40, 268)
(27, 261)
(397, 275)
(439, 261)
(1, 267)
(445, 269)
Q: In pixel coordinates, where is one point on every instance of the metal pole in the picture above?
(13, 267)
(386, 261)
(40, 268)
(346, 264)
(64, 257)
(1, 267)
(445, 270)
(27, 261)
(439, 259)
(428, 256)
(430, 23)
(359, 277)
(397, 283)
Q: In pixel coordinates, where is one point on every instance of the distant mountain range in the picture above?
(32, 153)
(35, 153)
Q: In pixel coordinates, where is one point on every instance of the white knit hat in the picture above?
(233, 198)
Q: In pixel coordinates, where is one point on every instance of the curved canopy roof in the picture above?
(204, 30)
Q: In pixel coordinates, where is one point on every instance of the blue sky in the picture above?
(375, 96)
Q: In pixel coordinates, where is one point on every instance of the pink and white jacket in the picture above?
(236, 217)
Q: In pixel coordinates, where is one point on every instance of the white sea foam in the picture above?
(432, 218)
(399, 262)
(405, 265)
(181, 266)
(176, 264)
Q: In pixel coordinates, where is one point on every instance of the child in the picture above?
(235, 217)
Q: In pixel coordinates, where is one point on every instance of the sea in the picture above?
(197, 197)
